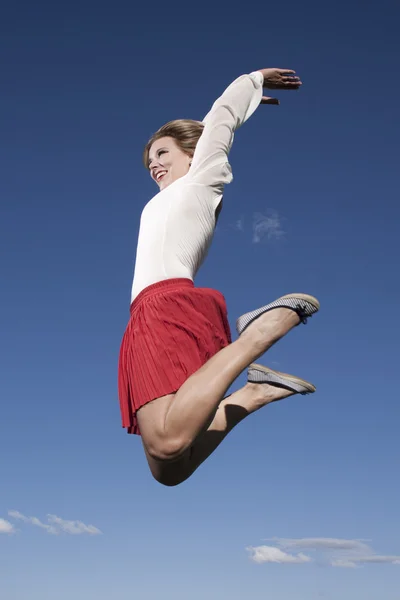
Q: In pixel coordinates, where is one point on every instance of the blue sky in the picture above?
(302, 499)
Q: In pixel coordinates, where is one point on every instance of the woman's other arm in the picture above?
(210, 164)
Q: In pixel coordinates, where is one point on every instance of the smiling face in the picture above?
(167, 162)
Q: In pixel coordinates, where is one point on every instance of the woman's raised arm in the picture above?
(210, 164)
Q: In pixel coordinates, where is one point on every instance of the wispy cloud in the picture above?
(264, 226)
(14, 514)
(267, 226)
(239, 225)
(73, 527)
(6, 527)
(355, 561)
(322, 543)
(336, 552)
(56, 525)
(271, 554)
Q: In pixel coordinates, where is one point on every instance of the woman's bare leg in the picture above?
(230, 412)
(170, 425)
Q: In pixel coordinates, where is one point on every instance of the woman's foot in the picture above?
(261, 395)
(265, 385)
(303, 305)
(269, 327)
(259, 375)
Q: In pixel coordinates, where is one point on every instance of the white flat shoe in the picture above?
(303, 304)
(260, 374)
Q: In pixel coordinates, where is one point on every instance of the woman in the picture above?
(177, 360)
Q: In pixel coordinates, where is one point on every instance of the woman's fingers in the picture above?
(286, 71)
(292, 83)
(285, 84)
(281, 79)
(269, 100)
(290, 78)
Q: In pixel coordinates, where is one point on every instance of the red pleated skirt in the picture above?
(174, 329)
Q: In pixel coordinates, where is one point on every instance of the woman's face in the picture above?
(167, 162)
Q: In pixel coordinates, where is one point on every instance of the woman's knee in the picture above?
(165, 449)
(159, 443)
(166, 471)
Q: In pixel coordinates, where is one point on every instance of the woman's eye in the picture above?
(158, 154)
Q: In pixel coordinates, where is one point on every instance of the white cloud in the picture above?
(239, 225)
(338, 552)
(56, 525)
(14, 514)
(394, 560)
(353, 562)
(323, 544)
(343, 563)
(268, 226)
(270, 554)
(6, 526)
(73, 527)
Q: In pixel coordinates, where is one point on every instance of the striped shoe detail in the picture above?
(260, 374)
(303, 304)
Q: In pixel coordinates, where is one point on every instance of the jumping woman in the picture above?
(177, 360)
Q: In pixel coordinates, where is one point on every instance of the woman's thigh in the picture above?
(151, 419)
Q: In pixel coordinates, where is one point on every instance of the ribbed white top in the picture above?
(177, 225)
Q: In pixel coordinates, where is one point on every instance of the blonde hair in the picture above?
(185, 132)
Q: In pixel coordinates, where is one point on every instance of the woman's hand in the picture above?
(279, 79)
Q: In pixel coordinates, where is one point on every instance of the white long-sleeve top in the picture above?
(177, 225)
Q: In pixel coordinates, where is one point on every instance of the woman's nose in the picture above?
(156, 164)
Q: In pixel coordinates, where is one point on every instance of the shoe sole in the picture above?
(289, 378)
